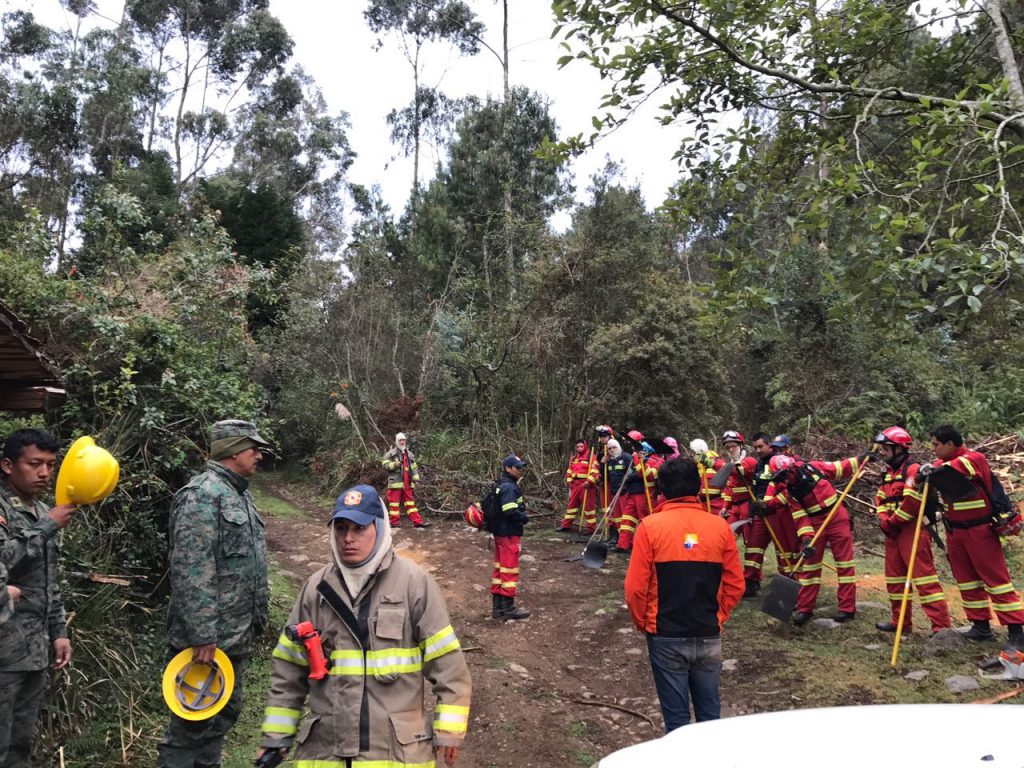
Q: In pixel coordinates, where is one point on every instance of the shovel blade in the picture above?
(595, 554)
(780, 599)
(721, 477)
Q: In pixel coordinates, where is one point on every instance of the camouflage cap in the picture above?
(232, 436)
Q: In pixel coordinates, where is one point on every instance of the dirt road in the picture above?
(542, 687)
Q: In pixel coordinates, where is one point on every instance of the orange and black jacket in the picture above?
(684, 576)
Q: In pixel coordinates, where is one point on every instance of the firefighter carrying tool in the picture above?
(635, 501)
(899, 505)
(581, 477)
(708, 463)
(803, 488)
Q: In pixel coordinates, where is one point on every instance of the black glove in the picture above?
(867, 456)
(926, 470)
(758, 508)
(807, 550)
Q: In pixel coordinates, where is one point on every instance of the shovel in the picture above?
(780, 599)
(721, 477)
(596, 551)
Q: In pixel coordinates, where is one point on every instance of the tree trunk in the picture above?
(510, 253)
(1007, 57)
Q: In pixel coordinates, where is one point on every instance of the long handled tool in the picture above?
(596, 551)
(586, 489)
(780, 599)
(647, 487)
(910, 573)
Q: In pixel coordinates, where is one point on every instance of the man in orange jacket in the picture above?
(683, 581)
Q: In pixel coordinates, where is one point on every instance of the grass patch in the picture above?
(275, 505)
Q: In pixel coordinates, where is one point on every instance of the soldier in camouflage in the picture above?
(34, 610)
(218, 576)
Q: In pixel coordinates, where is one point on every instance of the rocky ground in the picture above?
(572, 683)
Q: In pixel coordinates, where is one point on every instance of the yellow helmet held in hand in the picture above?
(88, 473)
(197, 691)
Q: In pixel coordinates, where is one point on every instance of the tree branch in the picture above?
(890, 93)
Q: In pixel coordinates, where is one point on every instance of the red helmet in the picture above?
(894, 436)
(635, 434)
(732, 436)
(474, 516)
(780, 462)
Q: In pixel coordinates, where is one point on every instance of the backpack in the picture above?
(491, 506)
(1006, 520)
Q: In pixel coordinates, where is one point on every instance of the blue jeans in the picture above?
(685, 668)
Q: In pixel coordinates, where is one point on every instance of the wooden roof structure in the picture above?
(28, 380)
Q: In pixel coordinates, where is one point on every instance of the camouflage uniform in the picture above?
(219, 592)
(28, 551)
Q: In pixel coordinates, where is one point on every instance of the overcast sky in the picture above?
(333, 42)
(335, 46)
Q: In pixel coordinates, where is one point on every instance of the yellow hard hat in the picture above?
(88, 473)
(196, 691)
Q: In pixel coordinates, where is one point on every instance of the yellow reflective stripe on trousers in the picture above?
(439, 643)
(286, 650)
(281, 720)
(1001, 589)
(451, 717)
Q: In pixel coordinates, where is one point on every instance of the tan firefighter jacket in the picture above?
(370, 706)
(401, 467)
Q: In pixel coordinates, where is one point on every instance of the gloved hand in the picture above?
(758, 508)
(926, 470)
(706, 460)
(866, 457)
(887, 527)
(806, 549)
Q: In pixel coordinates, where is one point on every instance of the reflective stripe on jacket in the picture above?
(370, 706)
(401, 467)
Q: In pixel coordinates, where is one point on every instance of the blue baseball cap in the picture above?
(360, 504)
(781, 441)
(513, 461)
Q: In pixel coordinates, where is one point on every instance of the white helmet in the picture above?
(698, 446)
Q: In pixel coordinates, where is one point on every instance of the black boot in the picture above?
(842, 616)
(802, 617)
(751, 590)
(497, 606)
(1016, 636)
(981, 631)
(613, 536)
(887, 626)
(511, 612)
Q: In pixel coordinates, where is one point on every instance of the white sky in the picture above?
(334, 44)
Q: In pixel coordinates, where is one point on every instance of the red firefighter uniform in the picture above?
(581, 477)
(807, 493)
(748, 476)
(633, 503)
(973, 548)
(707, 465)
(898, 504)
